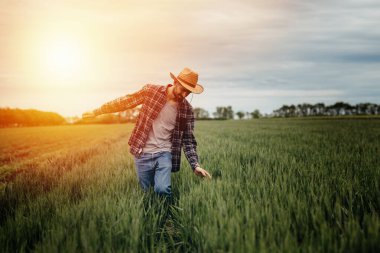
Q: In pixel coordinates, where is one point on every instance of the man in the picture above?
(164, 125)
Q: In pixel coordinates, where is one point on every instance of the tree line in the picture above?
(300, 110)
(18, 117)
(320, 109)
(225, 112)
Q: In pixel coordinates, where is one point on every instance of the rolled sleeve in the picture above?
(123, 103)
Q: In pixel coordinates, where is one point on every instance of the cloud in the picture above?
(241, 93)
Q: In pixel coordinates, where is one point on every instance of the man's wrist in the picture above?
(196, 166)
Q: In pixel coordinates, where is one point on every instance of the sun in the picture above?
(63, 58)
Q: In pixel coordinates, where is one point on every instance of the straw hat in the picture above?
(189, 80)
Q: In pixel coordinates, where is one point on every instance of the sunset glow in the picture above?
(63, 59)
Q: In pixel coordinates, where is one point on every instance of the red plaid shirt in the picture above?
(153, 99)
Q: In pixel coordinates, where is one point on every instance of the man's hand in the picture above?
(201, 172)
(88, 115)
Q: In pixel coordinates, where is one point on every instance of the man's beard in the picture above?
(177, 97)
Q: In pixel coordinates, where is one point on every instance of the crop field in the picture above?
(279, 185)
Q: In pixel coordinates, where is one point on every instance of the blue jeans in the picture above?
(155, 170)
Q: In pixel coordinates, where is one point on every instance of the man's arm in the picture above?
(190, 148)
(120, 104)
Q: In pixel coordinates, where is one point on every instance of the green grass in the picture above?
(279, 185)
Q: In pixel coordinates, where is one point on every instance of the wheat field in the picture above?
(279, 185)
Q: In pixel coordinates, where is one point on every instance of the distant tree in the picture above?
(292, 111)
(339, 108)
(361, 108)
(367, 108)
(224, 112)
(219, 113)
(304, 109)
(256, 114)
(284, 111)
(240, 114)
(230, 112)
(318, 109)
(200, 113)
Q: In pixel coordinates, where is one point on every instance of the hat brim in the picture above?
(198, 89)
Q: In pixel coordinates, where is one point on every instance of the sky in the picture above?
(73, 56)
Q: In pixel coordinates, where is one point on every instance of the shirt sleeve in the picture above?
(123, 103)
(189, 142)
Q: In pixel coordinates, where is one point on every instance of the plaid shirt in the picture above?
(153, 99)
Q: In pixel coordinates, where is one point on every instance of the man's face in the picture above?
(180, 92)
